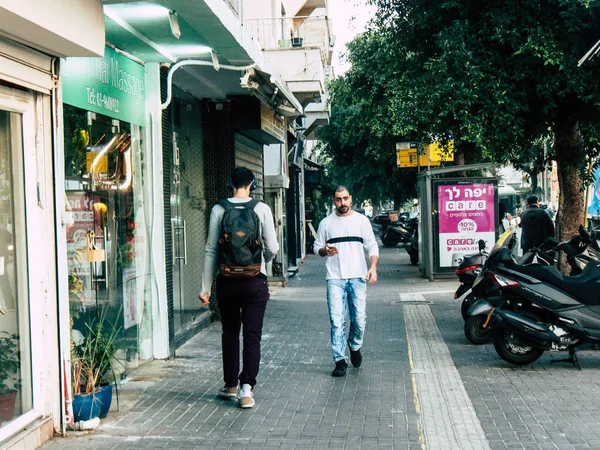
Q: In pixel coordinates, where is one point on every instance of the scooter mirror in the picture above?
(481, 244)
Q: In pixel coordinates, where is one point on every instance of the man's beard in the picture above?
(343, 209)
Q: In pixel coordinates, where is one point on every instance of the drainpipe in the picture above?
(191, 62)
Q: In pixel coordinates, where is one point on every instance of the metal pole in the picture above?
(429, 210)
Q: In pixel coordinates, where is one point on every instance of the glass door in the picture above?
(16, 396)
(179, 244)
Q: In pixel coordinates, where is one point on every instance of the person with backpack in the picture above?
(241, 240)
(344, 237)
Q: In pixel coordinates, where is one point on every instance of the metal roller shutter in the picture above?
(25, 67)
(249, 153)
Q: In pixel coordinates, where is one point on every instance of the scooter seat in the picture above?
(583, 286)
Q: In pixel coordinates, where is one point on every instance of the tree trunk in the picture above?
(570, 157)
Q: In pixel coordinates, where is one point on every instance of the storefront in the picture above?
(27, 281)
(106, 189)
(31, 377)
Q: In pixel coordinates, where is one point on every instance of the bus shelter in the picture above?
(456, 212)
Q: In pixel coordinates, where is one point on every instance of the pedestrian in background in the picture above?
(536, 223)
(343, 237)
(242, 289)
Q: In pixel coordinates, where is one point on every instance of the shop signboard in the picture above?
(272, 123)
(112, 85)
(466, 213)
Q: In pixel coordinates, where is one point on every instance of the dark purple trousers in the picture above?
(242, 304)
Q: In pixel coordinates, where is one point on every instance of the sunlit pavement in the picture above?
(421, 385)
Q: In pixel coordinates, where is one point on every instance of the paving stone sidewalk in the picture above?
(392, 402)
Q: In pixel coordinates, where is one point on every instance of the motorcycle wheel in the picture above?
(475, 332)
(467, 303)
(414, 256)
(388, 242)
(512, 351)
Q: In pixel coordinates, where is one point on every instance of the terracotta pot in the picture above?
(7, 405)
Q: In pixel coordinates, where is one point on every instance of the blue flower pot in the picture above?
(104, 394)
(86, 407)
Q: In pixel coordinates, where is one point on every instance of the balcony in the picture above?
(294, 33)
(301, 49)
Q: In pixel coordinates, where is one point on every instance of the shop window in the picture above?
(107, 245)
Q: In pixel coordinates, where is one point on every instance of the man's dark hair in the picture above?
(241, 177)
(532, 200)
(340, 188)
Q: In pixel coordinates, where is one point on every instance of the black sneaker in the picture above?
(355, 357)
(340, 368)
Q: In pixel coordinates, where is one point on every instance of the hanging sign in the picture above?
(428, 155)
(466, 214)
(113, 85)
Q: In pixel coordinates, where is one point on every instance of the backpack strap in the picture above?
(226, 204)
(251, 204)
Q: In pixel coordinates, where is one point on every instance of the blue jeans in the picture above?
(353, 293)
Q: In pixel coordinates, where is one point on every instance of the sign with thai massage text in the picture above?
(112, 85)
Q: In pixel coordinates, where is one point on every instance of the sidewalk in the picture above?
(421, 386)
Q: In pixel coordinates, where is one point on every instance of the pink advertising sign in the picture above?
(466, 213)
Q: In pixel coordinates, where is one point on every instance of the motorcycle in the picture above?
(540, 295)
(398, 232)
(468, 270)
(566, 313)
(485, 295)
(413, 248)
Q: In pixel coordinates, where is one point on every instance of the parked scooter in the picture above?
(584, 250)
(413, 248)
(566, 312)
(486, 295)
(510, 299)
(398, 232)
(468, 270)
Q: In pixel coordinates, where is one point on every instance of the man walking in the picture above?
(242, 289)
(343, 237)
(536, 223)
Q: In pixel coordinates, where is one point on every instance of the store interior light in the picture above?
(139, 11)
(188, 50)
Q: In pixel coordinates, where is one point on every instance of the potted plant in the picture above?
(10, 382)
(92, 363)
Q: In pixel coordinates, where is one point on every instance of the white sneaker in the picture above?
(246, 396)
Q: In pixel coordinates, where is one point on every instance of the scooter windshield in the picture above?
(504, 241)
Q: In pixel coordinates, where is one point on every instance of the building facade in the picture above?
(120, 122)
(35, 35)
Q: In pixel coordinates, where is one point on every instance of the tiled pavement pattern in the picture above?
(300, 406)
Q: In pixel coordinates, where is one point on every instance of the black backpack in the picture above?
(240, 244)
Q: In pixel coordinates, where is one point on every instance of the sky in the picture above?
(349, 18)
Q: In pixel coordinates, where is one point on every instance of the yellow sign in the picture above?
(431, 155)
(102, 166)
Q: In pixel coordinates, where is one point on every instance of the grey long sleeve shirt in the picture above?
(271, 247)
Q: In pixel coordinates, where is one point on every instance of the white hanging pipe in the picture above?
(190, 62)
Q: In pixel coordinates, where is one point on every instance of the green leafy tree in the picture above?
(496, 77)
